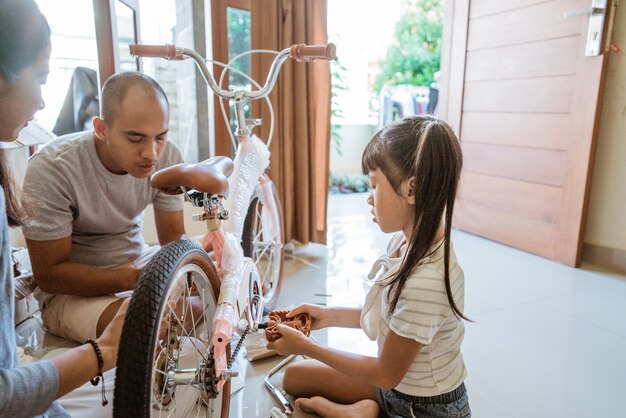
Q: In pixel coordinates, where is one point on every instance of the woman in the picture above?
(31, 390)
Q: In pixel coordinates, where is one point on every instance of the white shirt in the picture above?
(423, 314)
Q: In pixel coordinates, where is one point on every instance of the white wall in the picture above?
(606, 221)
(353, 141)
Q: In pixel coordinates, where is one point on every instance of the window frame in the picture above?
(220, 53)
(106, 36)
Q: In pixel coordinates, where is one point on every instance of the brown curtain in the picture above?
(301, 100)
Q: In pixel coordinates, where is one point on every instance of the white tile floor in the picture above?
(547, 341)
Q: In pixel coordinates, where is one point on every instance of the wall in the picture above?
(605, 238)
(353, 141)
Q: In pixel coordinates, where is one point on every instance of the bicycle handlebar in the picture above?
(299, 52)
(155, 51)
(303, 52)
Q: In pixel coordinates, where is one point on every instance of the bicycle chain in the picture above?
(235, 352)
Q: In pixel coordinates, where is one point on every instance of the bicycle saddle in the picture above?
(209, 176)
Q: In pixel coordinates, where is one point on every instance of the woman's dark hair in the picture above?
(24, 35)
(425, 149)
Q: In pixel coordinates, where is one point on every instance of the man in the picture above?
(88, 192)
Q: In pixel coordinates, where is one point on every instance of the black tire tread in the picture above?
(132, 393)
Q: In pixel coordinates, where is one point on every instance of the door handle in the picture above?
(582, 12)
(597, 13)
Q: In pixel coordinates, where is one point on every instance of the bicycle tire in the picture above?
(139, 343)
(267, 251)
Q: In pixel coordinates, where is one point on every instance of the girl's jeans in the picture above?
(448, 405)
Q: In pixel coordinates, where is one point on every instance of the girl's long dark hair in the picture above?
(425, 149)
(24, 35)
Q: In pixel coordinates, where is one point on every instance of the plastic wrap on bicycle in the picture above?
(232, 266)
(251, 159)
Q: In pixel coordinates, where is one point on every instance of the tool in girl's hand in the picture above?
(301, 322)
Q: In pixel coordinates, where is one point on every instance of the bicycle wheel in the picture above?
(262, 240)
(164, 366)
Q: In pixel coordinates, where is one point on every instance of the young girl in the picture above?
(415, 307)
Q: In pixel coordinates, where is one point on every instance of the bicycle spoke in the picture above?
(189, 338)
(258, 235)
(162, 396)
(266, 276)
(266, 248)
(193, 322)
(259, 223)
(205, 322)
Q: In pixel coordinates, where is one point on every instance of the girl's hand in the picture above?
(321, 317)
(291, 341)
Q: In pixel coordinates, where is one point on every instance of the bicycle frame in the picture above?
(251, 160)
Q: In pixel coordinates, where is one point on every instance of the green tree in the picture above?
(414, 55)
(337, 79)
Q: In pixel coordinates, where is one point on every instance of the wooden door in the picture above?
(525, 101)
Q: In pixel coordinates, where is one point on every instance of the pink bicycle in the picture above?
(175, 357)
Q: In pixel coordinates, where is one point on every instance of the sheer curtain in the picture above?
(301, 100)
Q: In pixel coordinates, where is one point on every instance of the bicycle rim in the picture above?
(262, 241)
(164, 363)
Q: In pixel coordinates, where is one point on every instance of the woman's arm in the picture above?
(385, 371)
(80, 364)
(27, 391)
(30, 390)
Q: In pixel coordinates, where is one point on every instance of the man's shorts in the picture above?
(76, 317)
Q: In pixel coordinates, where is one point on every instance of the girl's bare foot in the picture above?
(326, 409)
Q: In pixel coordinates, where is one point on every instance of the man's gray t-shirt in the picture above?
(72, 193)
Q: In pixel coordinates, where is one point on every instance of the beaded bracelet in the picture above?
(99, 376)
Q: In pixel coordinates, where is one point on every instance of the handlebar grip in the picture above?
(303, 52)
(161, 51)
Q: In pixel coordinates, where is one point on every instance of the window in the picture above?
(73, 45)
(238, 28)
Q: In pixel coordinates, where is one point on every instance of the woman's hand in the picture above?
(109, 341)
(291, 341)
(321, 317)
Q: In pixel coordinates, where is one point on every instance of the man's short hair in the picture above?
(116, 87)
